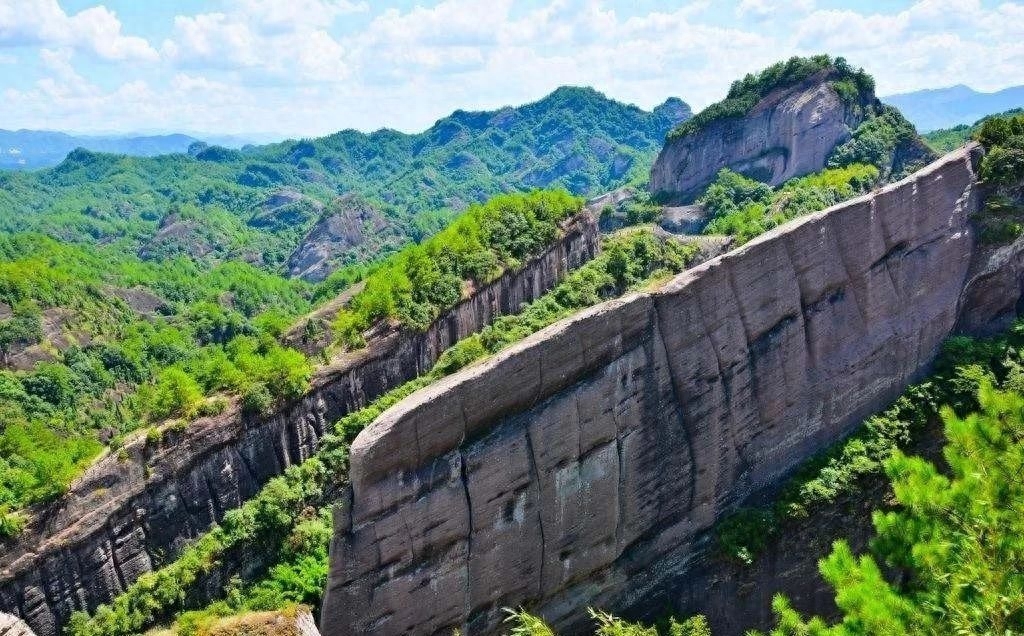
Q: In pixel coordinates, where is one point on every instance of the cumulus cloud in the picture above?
(96, 30)
(286, 41)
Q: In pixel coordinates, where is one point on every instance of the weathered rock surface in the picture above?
(348, 231)
(586, 465)
(789, 133)
(132, 512)
(13, 626)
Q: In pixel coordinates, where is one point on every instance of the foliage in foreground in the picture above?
(522, 623)
(957, 537)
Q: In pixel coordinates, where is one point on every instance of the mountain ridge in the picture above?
(935, 108)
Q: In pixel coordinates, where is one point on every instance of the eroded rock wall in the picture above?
(586, 465)
(789, 133)
(135, 510)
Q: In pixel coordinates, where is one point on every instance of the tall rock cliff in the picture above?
(788, 133)
(132, 511)
(587, 465)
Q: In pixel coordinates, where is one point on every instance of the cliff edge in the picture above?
(587, 465)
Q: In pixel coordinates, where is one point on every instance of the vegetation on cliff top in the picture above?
(948, 139)
(420, 282)
(745, 208)
(854, 87)
(282, 523)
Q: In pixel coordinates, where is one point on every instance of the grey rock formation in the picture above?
(789, 133)
(587, 465)
(132, 512)
(350, 229)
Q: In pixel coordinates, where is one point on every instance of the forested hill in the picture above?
(258, 203)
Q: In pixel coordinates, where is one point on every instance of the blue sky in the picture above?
(309, 67)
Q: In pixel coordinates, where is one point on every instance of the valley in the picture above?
(480, 379)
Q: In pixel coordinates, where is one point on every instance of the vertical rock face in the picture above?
(130, 513)
(789, 133)
(586, 465)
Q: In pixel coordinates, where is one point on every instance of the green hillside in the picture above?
(215, 203)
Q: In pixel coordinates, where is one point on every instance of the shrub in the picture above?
(417, 284)
(257, 399)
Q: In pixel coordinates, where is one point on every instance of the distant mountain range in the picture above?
(29, 149)
(947, 107)
(257, 203)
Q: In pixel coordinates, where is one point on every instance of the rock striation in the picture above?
(586, 465)
(133, 511)
(789, 133)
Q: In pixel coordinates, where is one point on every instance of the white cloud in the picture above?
(315, 66)
(761, 9)
(96, 30)
(287, 41)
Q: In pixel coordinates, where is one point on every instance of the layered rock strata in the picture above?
(134, 510)
(586, 465)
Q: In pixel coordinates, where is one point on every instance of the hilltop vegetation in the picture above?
(853, 86)
(214, 203)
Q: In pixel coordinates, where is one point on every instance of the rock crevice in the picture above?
(131, 513)
(598, 453)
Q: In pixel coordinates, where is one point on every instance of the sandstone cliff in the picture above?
(586, 465)
(789, 133)
(132, 511)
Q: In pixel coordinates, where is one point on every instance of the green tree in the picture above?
(957, 536)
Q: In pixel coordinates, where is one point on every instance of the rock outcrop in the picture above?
(350, 230)
(588, 464)
(789, 133)
(133, 511)
(13, 626)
